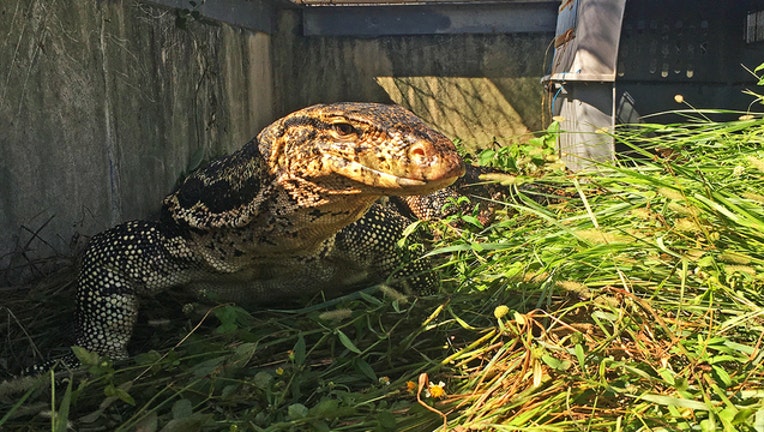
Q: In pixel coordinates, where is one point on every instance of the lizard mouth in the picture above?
(390, 183)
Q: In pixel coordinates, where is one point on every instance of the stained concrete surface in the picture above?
(103, 105)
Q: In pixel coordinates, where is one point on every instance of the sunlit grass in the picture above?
(648, 293)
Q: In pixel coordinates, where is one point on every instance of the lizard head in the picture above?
(364, 148)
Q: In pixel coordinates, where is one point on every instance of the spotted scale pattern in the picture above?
(128, 261)
(288, 216)
(372, 244)
(434, 205)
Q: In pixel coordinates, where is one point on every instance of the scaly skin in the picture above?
(289, 215)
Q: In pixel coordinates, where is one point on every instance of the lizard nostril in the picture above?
(420, 153)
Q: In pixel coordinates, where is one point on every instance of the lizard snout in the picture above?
(433, 161)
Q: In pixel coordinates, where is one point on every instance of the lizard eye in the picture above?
(344, 130)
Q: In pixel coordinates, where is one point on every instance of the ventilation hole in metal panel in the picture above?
(754, 31)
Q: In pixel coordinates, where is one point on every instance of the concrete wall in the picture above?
(103, 105)
(471, 86)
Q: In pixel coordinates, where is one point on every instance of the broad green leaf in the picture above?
(723, 375)
(120, 393)
(326, 408)
(182, 408)
(387, 421)
(194, 422)
(346, 342)
(673, 401)
(362, 366)
(299, 351)
(87, 358)
(580, 356)
(555, 363)
(297, 411)
(263, 380)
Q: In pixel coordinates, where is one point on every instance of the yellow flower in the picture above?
(500, 311)
(280, 371)
(410, 386)
(436, 391)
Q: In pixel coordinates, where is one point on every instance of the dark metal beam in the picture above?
(404, 2)
(370, 21)
(523, 16)
(256, 15)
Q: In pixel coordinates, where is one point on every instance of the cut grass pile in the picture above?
(633, 304)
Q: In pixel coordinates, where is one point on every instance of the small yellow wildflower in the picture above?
(436, 391)
(410, 386)
(280, 371)
(500, 311)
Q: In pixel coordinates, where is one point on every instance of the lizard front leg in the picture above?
(121, 265)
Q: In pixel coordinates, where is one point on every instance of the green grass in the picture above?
(640, 302)
(635, 304)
